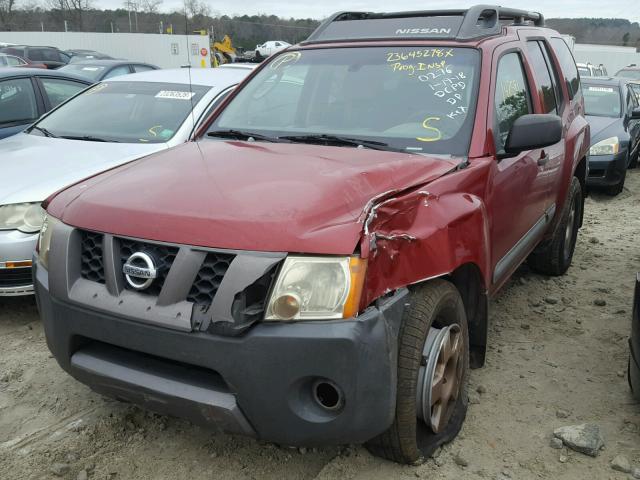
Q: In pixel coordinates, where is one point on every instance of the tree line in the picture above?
(145, 16)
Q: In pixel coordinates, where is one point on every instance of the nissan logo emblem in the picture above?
(139, 270)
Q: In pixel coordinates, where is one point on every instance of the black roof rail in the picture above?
(476, 22)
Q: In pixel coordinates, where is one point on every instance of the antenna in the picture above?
(186, 34)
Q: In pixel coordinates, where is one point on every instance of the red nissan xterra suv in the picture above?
(316, 268)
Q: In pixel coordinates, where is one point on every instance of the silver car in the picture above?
(107, 125)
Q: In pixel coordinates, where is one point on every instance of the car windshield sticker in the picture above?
(175, 95)
(97, 88)
(285, 59)
(601, 89)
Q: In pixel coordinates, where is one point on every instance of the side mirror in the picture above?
(533, 131)
(635, 114)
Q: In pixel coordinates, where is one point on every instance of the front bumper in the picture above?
(634, 343)
(16, 246)
(607, 170)
(259, 384)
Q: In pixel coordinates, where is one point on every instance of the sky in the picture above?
(629, 9)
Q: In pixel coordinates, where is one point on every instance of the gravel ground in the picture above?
(558, 357)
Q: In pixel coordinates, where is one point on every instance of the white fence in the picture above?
(614, 58)
(165, 51)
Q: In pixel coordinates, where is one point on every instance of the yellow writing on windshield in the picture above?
(434, 133)
(393, 57)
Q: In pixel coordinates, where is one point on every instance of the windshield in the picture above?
(93, 72)
(129, 112)
(416, 99)
(601, 101)
(633, 74)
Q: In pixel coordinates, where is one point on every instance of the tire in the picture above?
(258, 55)
(634, 160)
(409, 440)
(555, 256)
(616, 189)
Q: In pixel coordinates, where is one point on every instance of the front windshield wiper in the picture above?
(88, 138)
(342, 141)
(241, 135)
(44, 131)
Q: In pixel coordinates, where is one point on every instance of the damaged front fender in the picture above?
(422, 234)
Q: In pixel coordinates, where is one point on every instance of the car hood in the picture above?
(604, 127)
(36, 166)
(246, 195)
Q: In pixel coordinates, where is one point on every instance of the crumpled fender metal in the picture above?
(423, 234)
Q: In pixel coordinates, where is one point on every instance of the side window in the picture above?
(17, 101)
(116, 72)
(554, 72)
(59, 90)
(37, 54)
(542, 76)
(568, 65)
(14, 61)
(142, 68)
(512, 99)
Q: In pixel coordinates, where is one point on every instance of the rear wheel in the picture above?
(554, 257)
(433, 372)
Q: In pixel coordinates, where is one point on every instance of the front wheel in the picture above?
(555, 256)
(616, 189)
(433, 373)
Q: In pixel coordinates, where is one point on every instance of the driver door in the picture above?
(518, 191)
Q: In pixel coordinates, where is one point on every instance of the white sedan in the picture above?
(269, 48)
(109, 124)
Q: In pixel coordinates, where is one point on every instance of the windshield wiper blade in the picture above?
(241, 135)
(88, 138)
(344, 141)
(44, 131)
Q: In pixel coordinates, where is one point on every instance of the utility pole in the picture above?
(66, 26)
(128, 4)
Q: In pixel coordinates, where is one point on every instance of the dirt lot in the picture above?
(553, 352)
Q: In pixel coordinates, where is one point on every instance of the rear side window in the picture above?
(44, 55)
(17, 101)
(512, 98)
(59, 90)
(568, 65)
(543, 78)
(142, 68)
(118, 71)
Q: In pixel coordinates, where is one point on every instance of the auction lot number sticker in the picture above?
(175, 95)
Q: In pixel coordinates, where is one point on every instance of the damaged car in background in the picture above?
(108, 125)
(316, 268)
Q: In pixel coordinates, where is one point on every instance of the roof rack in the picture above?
(474, 23)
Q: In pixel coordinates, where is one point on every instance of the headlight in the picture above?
(608, 146)
(44, 240)
(26, 217)
(317, 288)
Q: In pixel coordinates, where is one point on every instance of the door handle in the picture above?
(544, 158)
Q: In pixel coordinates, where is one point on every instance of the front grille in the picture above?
(15, 277)
(91, 263)
(209, 277)
(163, 257)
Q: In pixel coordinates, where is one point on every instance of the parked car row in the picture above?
(316, 233)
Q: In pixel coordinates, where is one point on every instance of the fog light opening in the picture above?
(328, 395)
